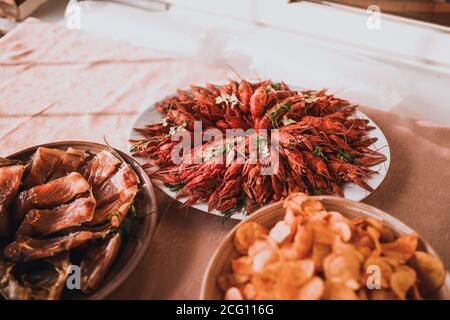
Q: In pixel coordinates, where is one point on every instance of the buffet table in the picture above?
(58, 84)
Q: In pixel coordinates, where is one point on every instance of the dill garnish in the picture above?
(273, 114)
(318, 152)
(130, 225)
(175, 187)
(346, 156)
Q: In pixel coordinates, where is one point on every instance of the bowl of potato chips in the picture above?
(323, 247)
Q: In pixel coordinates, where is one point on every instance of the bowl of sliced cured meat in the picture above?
(75, 220)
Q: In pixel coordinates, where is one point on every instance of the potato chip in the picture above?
(322, 232)
(342, 229)
(338, 291)
(430, 271)
(375, 223)
(243, 265)
(415, 293)
(343, 267)
(265, 280)
(281, 232)
(300, 204)
(335, 216)
(289, 252)
(374, 235)
(319, 252)
(261, 244)
(401, 249)
(402, 279)
(249, 291)
(312, 206)
(311, 290)
(264, 258)
(303, 241)
(228, 279)
(247, 234)
(292, 275)
(233, 293)
(362, 294)
(223, 281)
(380, 294)
(387, 235)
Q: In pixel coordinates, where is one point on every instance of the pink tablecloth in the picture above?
(57, 84)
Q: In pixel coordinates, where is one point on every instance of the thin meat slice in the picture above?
(51, 194)
(71, 161)
(40, 223)
(37, 280)
(97, 262)
(98, 231)
(112, 210)
(42, 165)
(33, 249)
(100, 168)
(110, 190)
(10, 177)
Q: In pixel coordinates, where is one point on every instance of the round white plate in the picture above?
(351, 191)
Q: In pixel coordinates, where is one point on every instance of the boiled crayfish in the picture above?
(319, 145)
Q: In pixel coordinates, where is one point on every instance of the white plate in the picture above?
(351, 191)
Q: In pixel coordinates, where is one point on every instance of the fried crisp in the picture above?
(264, 258)
(430, 271)
(382, 295)
(246, 235)
(281, 232)
(317, 254)
(261, 244)
(243, 266)
(339, 291)
(292, 276)
(343, 267)
(233, 293)
(401, 249)
(311, 290)
(300, 204)
(249, 291)
(402, 280)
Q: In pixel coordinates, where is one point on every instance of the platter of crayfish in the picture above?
(321, 144)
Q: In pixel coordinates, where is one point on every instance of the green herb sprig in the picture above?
(175, 187)
(318, 152)
(279, 108)
(346, 156)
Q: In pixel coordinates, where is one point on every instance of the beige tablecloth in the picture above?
(57, 84)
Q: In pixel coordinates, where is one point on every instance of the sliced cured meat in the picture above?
(34, 249)
(40, 223)
(100, 168)
(42, 165)
(119, 215)
(71, 161)
(98, 231)
(10, 177)
(51, 194)
(98, 260)
(112, 210)
(36, 280)
(110, 190)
